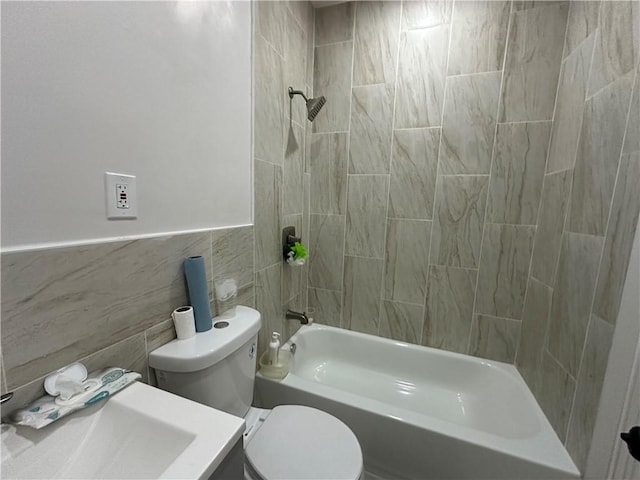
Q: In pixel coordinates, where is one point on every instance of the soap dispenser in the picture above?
(274, 362)
(274, 348)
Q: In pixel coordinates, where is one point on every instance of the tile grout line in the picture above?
(515, 225)
(567, 219)
(328, 214)
(414, 128)
(365, 85)
(555, 172)
(571, 377)
(271, 45)
(365, 258)
(493, 149)
(608, 85)
(295, 19)
(330, 133)
(410, 219)
(568, 232)
(452, 267)
(146, 350)
(584, 106)
(604, 242)
(541, 201)
(307, 161)
(519, 122)
(545, 344)
(4, 385)
(268, 161)
(324, 289)
(596, 34)
(368, 174)
(536, 279)
(500, 318)
(563, 54)
(423, 340)
(280, 195)
(391, 144)
(463, 175)
(346, 207)
(331, 44)
(210, 246)
(577, 47)
(488, 72)
(252, 132)
(401, 302)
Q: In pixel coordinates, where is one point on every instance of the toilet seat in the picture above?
(300, 443)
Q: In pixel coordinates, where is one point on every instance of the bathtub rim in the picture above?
(544, 447)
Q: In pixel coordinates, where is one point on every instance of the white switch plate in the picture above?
(120, 192)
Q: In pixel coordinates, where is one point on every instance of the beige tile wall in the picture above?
(438, 222)
(426, 217)
(587, 219)
(489, 209)
(106, 304)
(283, 57)
(111, 303)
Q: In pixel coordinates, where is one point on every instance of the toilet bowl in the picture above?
(217, 368)
(298, 442)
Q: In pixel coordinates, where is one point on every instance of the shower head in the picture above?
(314, 105)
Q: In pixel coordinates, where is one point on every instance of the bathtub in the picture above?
(418, 412)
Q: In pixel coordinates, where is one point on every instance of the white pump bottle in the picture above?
(274, 349)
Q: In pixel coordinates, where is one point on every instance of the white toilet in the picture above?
(217, 368)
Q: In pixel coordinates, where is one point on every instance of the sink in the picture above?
(140, 432)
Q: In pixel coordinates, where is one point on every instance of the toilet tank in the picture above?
(216, 367)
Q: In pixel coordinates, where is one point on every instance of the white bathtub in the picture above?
(419, 412)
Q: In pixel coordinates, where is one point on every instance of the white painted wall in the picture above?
(160, 90)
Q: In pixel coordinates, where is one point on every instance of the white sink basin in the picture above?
(141, 432)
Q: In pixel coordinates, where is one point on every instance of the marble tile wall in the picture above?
(429, 207)
(376, 43)
(105, 304)
(487, 24)
(469, 124)
(470, 185)
(414, 161)
(532, 62)
(370, 131)
(486, 203)
(302, 182)
(586, 221)
(458, 220)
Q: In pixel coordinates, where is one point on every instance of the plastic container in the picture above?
(226, 296)
(280, 369)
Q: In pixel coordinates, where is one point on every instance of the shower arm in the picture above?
(293, 92)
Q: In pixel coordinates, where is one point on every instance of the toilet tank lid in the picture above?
(207, 348)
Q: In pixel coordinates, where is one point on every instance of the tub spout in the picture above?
(301, 317)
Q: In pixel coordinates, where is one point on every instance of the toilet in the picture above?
(217, 368)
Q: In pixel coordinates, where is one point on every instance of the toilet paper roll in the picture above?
(196, 273)
(184, 322)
